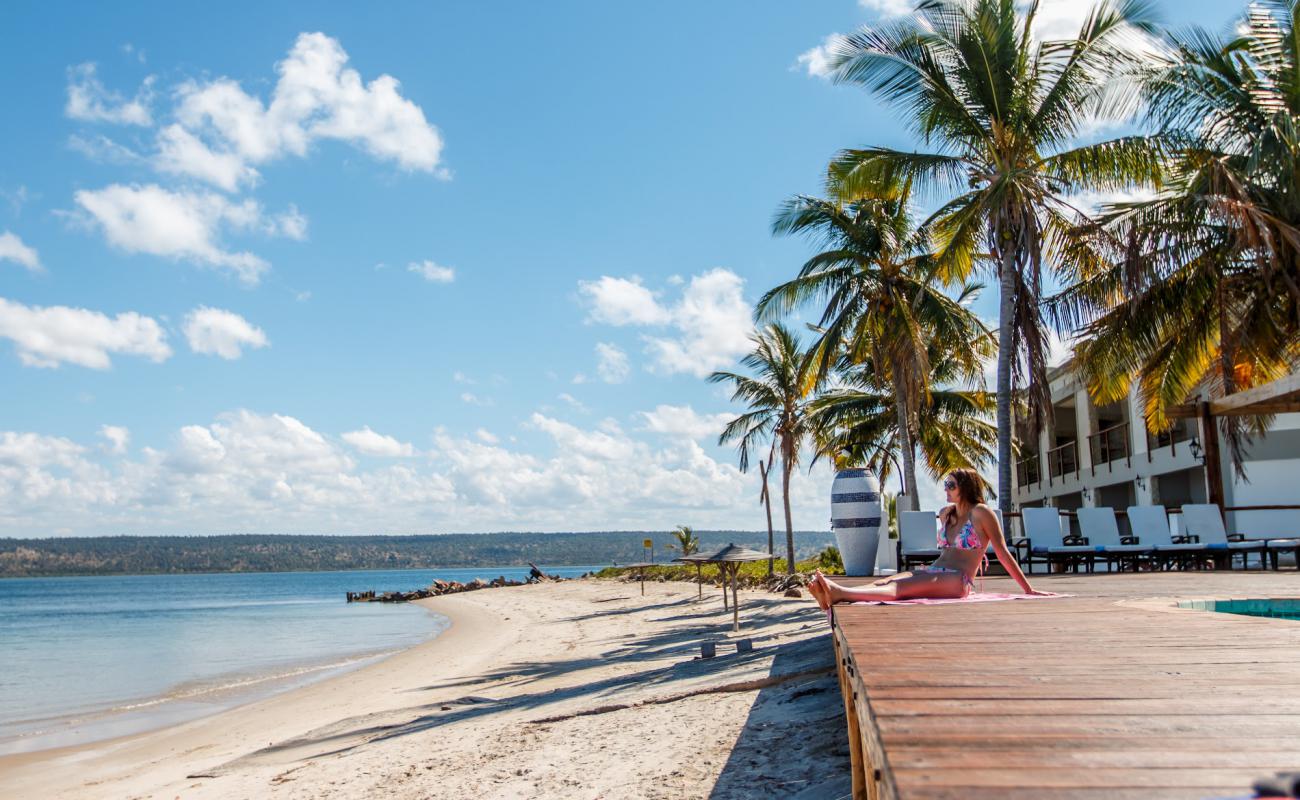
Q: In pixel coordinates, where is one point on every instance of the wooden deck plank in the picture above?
(1094, 695)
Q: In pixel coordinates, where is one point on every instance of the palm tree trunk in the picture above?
(1006, 318)
(767, 503)
(787, 456)
(905, 445)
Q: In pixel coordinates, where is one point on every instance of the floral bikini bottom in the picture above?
(967, 583)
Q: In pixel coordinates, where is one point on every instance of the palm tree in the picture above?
(876, 278)
(1203, 284)
(687, 541)
(856, 424)
(1000, 108)
(778, 397)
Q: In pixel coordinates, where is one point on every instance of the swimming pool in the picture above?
(1277, 608)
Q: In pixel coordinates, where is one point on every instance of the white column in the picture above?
(1085, 424)
(1137, 442)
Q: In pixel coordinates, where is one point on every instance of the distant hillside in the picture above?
(141, 555)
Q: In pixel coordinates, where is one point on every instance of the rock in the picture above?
(477, 583)
(793, 592)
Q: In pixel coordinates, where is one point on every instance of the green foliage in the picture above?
(830, 562)
(1000, 107)
(751, 573)
(686, 541)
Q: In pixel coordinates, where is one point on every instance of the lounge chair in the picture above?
(1102, 532)
(916, 538)
(1150, 524)
(1050, 544)
(1205, 522)
(1018, 545)
(1276, 546)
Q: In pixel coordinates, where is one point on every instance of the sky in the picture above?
(409, 268)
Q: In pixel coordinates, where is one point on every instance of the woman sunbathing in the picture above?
(969, 527)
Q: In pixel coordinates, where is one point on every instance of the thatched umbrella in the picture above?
(729, 560)
(641, 567)
(698, 561)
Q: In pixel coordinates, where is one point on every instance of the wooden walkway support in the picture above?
(1109, 694)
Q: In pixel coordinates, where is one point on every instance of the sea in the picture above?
(90, 658)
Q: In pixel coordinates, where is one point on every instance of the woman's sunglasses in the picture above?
(950, 485)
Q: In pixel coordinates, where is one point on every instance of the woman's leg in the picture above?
(920, 584)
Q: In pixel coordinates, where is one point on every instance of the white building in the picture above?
(1103, 456)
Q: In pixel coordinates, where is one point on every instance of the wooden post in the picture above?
(1213, 465)
(767, 503)
(735, 600)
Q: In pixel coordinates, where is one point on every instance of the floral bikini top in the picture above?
(967, 539)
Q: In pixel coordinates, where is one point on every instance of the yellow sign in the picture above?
(648, 543)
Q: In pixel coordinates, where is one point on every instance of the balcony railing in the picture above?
(1027, 471)
(1109, 444)
(1167, 438)
(1062, 461)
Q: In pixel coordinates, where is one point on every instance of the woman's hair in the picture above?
(969, 485)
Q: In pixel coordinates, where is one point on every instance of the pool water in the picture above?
(1276, 608)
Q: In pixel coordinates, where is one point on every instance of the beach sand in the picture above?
(578, 689)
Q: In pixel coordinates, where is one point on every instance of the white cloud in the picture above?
(104, 150)
(247, 471)
(622, 301)
(89, 101)
(711, 321)
(577, 404)
(369, 443)
(460, 377)
(1090, 202)
(469, 398)
(13, 249)
(316, 96)
(486, 436)
(431, 272)
(684, 421)
(816, 61)
(182, 153)
(889, 8)
(50, 336)
(611, 363)
(214, 331)
(117, 438)
(713, 324)
(184, 225)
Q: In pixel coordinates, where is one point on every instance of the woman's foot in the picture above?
(821, 590)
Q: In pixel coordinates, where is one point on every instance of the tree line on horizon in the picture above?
(144, 555)
(1191, 284)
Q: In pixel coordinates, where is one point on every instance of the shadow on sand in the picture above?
(803, 720)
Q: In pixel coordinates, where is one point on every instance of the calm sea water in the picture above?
(92, 658)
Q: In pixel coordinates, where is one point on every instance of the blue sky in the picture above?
(412, 268)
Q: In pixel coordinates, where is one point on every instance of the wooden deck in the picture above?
(1108, 694)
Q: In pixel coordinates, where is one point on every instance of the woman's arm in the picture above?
(988, 522)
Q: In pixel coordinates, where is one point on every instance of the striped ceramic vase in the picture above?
(855, 517)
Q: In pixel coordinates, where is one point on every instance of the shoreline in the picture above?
(575, 689)
(27, 773)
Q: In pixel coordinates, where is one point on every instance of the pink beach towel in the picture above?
(973, 597)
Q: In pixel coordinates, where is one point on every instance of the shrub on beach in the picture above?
(752, 574)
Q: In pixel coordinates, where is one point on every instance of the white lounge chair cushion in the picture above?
(1180, 547)
(1283, 543)
(1126, 548)
(1073, 548)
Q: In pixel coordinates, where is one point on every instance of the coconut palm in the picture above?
(1205, 284)
(881, 304)
(777, 396)
(856, 423)
(686, 540)
(1000, 107)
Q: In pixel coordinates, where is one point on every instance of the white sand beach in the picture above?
(578, 689)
